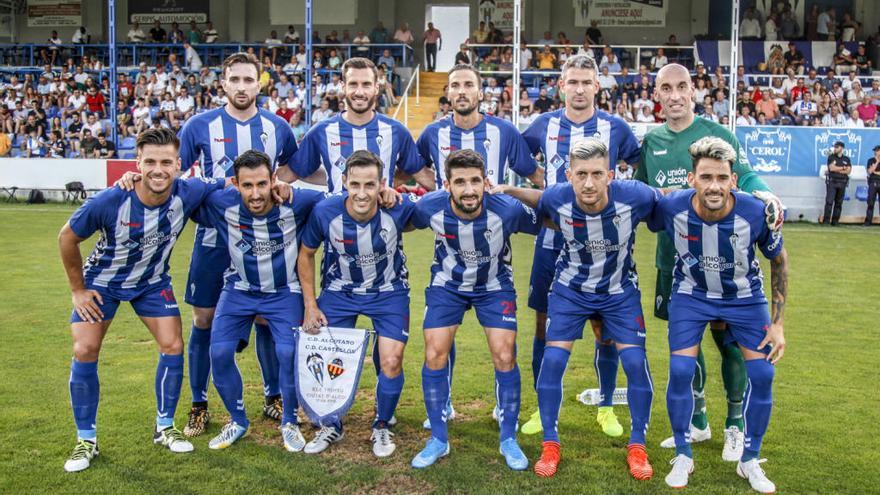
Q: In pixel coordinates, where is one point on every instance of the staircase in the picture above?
(431, 89)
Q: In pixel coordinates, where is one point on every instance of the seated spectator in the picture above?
(34, 146)
(762, 119)
(136, 34)
(546, 59)
(848, 28)
(623, 171)
(607, 81)
(721, 106)
(843, 60)
(284, 111)
(867, 111)
(646, 115)
(124, 121)
(659, 59)
(379, 34)
(293, 66)
(56, 147)
(141, 118)
(298, 126)
(854, 96)
(386, 59)
(334, 61)
(463, 56)
(610, 61)
(104, 148)
(362, 40)
(175, 34)
(794, 59)
(193, 36)
(863, 63)
(623, 113)
(804, 110)
(270, 46)
(322, 113)
(833, 118)
(644, 100)
(701, 91)
(776, 60)
(292, 36)
(81, 37)
(603, 102)
(854, 121)
(403, 35)
(526, 115)
(543, 103)
(210, 34)
(525, 57)
(185, 105)
(769, 107)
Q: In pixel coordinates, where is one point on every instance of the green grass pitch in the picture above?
(821, 438)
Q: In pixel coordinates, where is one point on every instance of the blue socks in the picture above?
(284, 357)
(507, 395)
(84, 394)
(549, 389)
(169, 378)
(606, 371)
(269, 366)
(387, 394)
(639, 391)
(199, 353)
(680, 400)
(435, 389)
(759, 403)
(537, 357)
(227, 380)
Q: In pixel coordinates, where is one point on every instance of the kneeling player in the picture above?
(130, 263)
(262, 238)
(364, 274)
(717, 277)
(595, 279)
(471, 270)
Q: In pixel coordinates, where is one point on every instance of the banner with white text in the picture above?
(620, 13)
(54, 13)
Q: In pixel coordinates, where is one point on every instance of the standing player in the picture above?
(551, 135)
(665, 164)
(365, 274)
(496, 140)
(328, 144)
(718, 278)
(129, 263)
(262, 239)
(595, 277)
(214, 139)
(471, 269)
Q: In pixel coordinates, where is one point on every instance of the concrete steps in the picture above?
(431, 88)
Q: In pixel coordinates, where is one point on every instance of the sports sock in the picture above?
(606, 371)
(169, 378)
(759, 403)
(537, 357)
(680, 400)
(451, 367)
(508, 387)
(639, 391)
(377, 359)
(199, 354)
(84, 394)
(549, 390)
(387, 395)
(268, 360)
(287, 382)
(227, 380)
(700, 419)
(733, 372)
(435, 390)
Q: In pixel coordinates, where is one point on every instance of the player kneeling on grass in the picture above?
(130, 263)
(262, 236)
(717, 277)
(471, 269)
(364, 274)
(595, 279)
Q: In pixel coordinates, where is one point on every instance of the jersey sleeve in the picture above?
(313, 233)
(88, 218)
(202, 214)
(405, 211)
(288, 147)
(189, 149)
(534, 136)
(656, 219)
(630, 151)
(649, 197)
(304, 201)
(641, 173)
(408, 159)
(526, 218)
(545, 207)
(520, 157)
(421, 214)
(307, 158)
(199, 188)
(424, 145)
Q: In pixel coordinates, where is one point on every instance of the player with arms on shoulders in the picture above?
(129, 263)
(665, 163)
(715, 232)
(471, 269)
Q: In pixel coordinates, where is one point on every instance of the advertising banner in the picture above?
(620, 13)
(168, 11)
(54, 13)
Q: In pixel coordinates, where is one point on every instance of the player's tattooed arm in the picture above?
(85, 302)
(779, 294)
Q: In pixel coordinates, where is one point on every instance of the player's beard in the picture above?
(242, 106)
(581, 105)
(464, 112)
(459, 203)
(349, 105)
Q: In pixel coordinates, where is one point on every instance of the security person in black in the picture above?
(836, 179)
(873, 183)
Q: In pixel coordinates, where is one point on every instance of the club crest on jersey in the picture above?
(243, 246)
(335, 368)
(487, 144)
(383, 234)
(264, 138)
(488, 235)
(315, 364)
(734, 239)
(616, 220)
(379, 140)
(169, 214)
(281, 222)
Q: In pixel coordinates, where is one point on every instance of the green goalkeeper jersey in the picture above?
(665, 163)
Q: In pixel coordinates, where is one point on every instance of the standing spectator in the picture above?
(525, 56)
(433, 42)
(873, 167)
(659, 59)
(193, 36)
(271, 44)
(794, 59)
(136, 34)
(175, 35)
(481, 35)
(81, 36)
(593, 34)
(210, 33)
(157, 33)
(825, 25)
(848, 28)
(750, 28)
(836, 180)
(771, 28)
(403, 35)
(379, 34)
(191, 58)
(292, 36)
(789, 27)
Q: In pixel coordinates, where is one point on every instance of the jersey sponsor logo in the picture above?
(557, 138)
(447, 236)
(133, 225)
(345, 241)
(222, 140)
(474, 257)
(716, 263)
(448, 148)
(574, 224)
(130, 244)
(689, 237)
(660, 152)
(339, 143)
(242, 227)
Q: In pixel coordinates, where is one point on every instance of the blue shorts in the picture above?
(237, 309)
(152, 301)
(205, 279)
(747, 323)
(445, 308)
(389, 311)
(621, 315)
(543, 272)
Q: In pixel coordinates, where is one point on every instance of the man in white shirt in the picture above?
(642, 101)
(771, 28)
(191, 58)
(136, 34)
(361, 40)
(750, 28)
(804, 109)
(322, 113)
(493, 89)
(80, 36)
(292, 66)
(825, 24)
(291, 36)
(185, 105)
(606, 81)
(271, 43)
(525, 57)
(80, 77)
(659, 59)
(744, 116)
(75, 103)
(623, 171)
(93, 125)
(834, 118)
(853, 120)
(210, 33)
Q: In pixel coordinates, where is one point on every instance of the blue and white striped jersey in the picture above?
(360, 258)
(716, 260)
(596, 254)
(552, 134)
(263, 248)
(136, 241)
(214, 140)
(473, 255)
(496, 140)
(330, 142)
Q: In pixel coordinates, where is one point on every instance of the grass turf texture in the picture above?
(819, 439)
